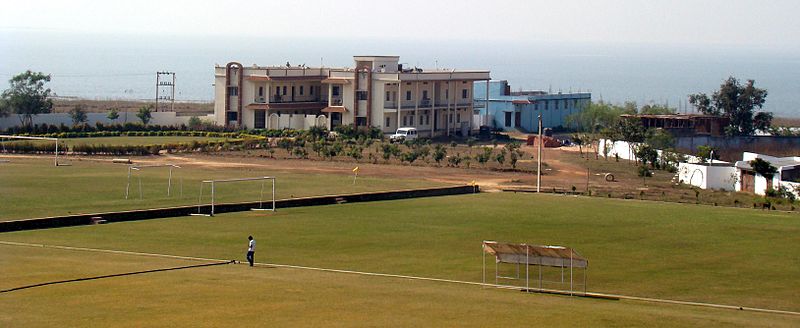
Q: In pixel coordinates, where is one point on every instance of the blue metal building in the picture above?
(519, 110)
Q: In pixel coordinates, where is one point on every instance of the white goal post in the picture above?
(214, 183)
(55, 160)
(132, 168)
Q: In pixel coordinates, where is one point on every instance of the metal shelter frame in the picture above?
(140, 167)
(55, 160)
(535, 255)
(213, 194)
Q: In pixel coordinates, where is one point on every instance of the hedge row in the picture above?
(38, 129)
(27, 147)
(176, 133)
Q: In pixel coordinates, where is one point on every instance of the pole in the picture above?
(587, 181)
(483, 252)
(570, 273)
(212, 197)
(486, 114)
(273, 196)
(128, 185)
(56, 163)
(539, 164)
(169, 183)
(527, 268)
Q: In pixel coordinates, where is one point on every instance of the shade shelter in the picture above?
(539, 259)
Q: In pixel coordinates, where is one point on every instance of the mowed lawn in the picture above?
(237, 295)
(34, 187)
(683, 252)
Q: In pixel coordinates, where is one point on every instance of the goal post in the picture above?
(213, 186)
(55, 140)
(132, 168)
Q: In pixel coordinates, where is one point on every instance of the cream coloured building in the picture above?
(377, 92)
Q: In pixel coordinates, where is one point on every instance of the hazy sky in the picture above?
(765, 24)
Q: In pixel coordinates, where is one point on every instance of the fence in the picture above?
(158, 118)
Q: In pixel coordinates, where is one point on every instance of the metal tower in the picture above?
(165, 91)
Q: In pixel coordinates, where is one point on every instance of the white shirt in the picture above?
(252, 247)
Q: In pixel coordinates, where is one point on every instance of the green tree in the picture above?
(763, 168)
(27, 97)
(145, 114)
(646, 154)
(656, 109)
(598, 115)
(660, 139)
(195, 123)
(705, 153)
(738, 103)
(439, 153)
(578, 140)
(113, 114)
(78, 114)
(501, 157)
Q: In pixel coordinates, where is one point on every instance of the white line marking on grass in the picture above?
(397, 276)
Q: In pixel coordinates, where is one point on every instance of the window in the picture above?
(464, 94)
(231, 116)
(408, 95)
(277, 91)
(311, 90)
(447, 94)
(259, 119)
(260, 91)
(411, 120)
(508, 119)
(388, 96)
(284, 90)
(233, 91)
(336, 90)
(301, 90)
(450, 118)
(394, 94)
(424, 94)
(388, 121)
(458, 117)
(361, 95)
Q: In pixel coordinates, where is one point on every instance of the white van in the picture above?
(403, 134)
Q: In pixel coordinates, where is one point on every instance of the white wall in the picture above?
(158, 118)
(706, 176)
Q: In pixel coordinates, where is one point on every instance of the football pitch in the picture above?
(33, 187)
(668, 251)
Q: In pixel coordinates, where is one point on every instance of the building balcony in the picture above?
(336, 101)
(426, 103)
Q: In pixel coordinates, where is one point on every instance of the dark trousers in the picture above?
(250, 257)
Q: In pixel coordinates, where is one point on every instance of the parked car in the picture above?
(403, 134)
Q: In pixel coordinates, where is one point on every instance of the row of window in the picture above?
(391, 95)
(408, 120)
(557, 104)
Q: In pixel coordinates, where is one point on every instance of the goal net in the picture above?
(156, 176)
(258, 193)
(12, 144)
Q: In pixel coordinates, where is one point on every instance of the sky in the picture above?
(767, 24)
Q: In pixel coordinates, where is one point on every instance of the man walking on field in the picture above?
(251, 250)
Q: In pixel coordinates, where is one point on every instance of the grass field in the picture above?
(27, 184)
(237, 295)
(682, 252)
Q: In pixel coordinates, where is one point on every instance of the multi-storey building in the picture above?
(377, 92)
(509, 110)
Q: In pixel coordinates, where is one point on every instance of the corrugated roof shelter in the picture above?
(534, 255)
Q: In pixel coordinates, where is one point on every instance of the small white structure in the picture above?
(718, 175)
(788, 175)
